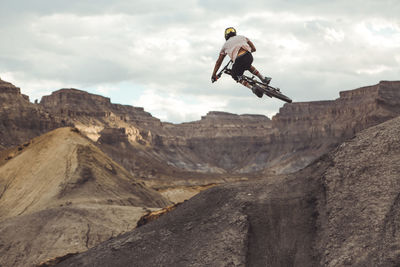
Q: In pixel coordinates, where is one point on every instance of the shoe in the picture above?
(257, 91)
(266, 80)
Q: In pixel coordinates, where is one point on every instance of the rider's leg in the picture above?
(241, 64)
(255, 88)
(245, 83)
(254, 71)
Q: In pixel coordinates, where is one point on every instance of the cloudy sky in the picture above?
(159, 54)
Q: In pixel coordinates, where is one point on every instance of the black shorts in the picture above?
(242, 63)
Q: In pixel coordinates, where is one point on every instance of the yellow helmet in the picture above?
(229, 32)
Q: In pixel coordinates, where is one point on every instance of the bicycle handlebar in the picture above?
(220, 73)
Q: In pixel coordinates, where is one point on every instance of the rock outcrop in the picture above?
(123, 132)
(342, 210)
(60, 194)
(297, 135)
(220, 142)
(20, 120)
(93, 113)
(359, 222)
(305, 131)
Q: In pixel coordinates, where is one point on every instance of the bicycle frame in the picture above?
(225, 70)
(268, 90)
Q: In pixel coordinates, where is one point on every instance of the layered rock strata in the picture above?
(219, 142)
(304, 131)
(297, 135)
(20, 120)
(78, 104)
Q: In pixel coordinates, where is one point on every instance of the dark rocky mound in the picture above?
(341, 210)
(236, 225)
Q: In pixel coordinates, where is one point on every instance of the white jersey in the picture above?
(233, 45)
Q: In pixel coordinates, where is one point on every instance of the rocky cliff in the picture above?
(220, 142)
(297, 135)
(89, 109)
(123, 132)
(20, 120)
(340, 211)
(304, 131)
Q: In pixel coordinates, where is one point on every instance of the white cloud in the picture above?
(333, 35)
(167, 50)
(373, 70)
(170, 107)
(380, 33)
(34, 88)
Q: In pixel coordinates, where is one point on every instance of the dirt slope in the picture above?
(360, 216)
(340, 211)
(227, 226)
(59, 193)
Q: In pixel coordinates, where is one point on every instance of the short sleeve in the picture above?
(223, 52)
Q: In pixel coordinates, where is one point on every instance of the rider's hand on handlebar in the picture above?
(214, 78)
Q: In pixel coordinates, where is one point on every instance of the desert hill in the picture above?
(342, 210)
(60, 194)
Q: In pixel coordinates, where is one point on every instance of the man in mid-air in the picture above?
(239, 49)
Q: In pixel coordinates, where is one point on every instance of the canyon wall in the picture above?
(297, 135)
(305, 131)
(219, 142)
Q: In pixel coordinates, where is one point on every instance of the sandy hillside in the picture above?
(61, 194)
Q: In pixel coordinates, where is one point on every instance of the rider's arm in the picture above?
(253, 48)
(218, 64)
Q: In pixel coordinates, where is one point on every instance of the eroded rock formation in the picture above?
(20, 120)
(308, 130)
(220, 142)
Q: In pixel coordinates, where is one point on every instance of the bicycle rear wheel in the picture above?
(272, 92)
(268, 90)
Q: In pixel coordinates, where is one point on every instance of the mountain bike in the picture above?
(267, 89)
